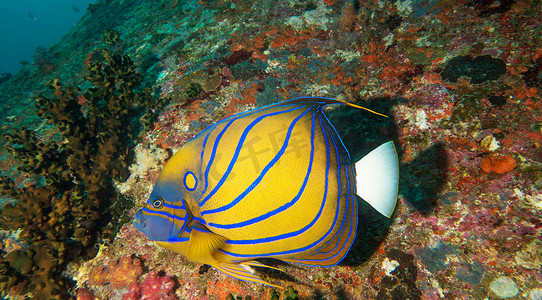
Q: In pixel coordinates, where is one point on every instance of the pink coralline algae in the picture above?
(154, 287)
(118, 274)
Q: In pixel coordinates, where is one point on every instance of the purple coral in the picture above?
(154, 287)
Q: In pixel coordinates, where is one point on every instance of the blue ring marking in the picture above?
(161, 214)
(236, 153)
(286, 205)
(283, 103)
(174, 206)
(262, 173)
(342, 248)
(217, 139)
(295, 233)
(296, 101)
(195, 180)
(353, 229)
(339, 138)
(168, 205)
(331, 138)
(260, 255)
(210, 130)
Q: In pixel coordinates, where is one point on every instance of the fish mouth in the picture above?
(138, 221)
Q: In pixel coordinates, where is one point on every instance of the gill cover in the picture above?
(165, 214)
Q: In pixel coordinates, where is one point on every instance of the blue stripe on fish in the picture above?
(162, 213)
(230, 120)
(258, 179)
(294, 233)
(236, 153)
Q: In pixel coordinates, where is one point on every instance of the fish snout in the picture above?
(139, 220)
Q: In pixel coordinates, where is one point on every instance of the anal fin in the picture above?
(244, 272)
(254, 263)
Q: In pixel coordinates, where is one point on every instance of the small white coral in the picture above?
(532, 200)
(421, 119)
(489, 143)
(148, 159)
(389, 266)
(317, 17)
(504, 287)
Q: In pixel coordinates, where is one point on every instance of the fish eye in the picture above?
(158, 203)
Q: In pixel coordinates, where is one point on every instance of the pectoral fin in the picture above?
(203, 244)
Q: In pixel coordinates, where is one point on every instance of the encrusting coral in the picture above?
(155, 287)
(65, 213)
(118, 274)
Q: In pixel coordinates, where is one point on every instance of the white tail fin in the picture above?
(377, 178)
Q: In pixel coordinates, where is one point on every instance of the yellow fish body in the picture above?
(271, 182)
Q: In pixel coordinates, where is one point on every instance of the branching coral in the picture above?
(63, 218)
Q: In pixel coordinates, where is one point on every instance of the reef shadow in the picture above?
(420, 180)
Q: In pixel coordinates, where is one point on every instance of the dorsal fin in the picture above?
(326, 101)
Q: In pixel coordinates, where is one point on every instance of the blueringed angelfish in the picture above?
(274, 182)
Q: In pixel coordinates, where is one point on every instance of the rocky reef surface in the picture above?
(87, 127)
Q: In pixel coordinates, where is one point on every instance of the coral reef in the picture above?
(289, 294)
(118, 274)
(498, 164)
(462, 97)
(400, 283)
(63, 217)
(4, 77)
(460, 81)
(155, 287)
(479, 69)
